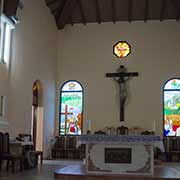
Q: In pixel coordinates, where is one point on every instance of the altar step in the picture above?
(76, 172)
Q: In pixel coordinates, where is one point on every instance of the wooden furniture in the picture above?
(65, 147)
(38, 154)
(172, 149)
(70, 151)
(122, 130)
(100, 132)
(6, 155)
(58, 150)
(72, 172)
(135, 130)
(146, 132)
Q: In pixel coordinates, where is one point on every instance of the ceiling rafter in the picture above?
(146, 10)
(79, 2)
(163, 7)
(63, 11)
(130, 7)
(63, 15)
(49, 3)
(176, 5)
(113, 11)
(98, 14)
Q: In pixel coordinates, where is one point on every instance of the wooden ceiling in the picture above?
(10, 8)
(87, 11)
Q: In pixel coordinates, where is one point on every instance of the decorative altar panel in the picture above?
(131, 155)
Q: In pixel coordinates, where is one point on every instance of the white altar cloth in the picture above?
(155, 141)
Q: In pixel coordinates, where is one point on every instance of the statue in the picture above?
(122, 76)
(122, 85)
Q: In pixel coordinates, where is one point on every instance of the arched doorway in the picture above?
(37, 116)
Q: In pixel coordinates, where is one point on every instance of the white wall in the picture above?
(33, 58)
(85, 54)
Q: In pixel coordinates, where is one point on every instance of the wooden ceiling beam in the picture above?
(146, 10)
(130, 7)
(163, 7)
(10, 7)
(79, 2)
(64, 14)
(113, 11)
(49, 3)
(176, 4)
(98, 14)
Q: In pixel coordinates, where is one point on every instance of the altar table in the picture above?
(120, 154)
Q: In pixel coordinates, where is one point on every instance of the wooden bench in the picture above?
(65, 148)
(172, 149)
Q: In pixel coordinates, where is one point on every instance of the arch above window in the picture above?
(171, 107)
(72, 86)
(71, 108)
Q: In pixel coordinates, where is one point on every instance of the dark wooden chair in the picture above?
(58, 150)
(6, 155)
(1, 148)
(122, 130)
(174, 149)
(100, 132)
(38, 153)
(81, 151)
(147, 132)
(70, 151)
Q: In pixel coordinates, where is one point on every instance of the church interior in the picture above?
(80, 78)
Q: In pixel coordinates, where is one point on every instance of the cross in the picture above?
(122, 76)
(66, 113)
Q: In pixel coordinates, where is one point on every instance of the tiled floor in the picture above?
(173, 165)
(41, 173)
(46, 171)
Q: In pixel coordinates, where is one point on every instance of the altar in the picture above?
(120, 154)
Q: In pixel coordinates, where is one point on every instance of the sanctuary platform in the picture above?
(78, 172)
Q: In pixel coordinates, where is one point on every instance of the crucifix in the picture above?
(122, 76)
(66, 113)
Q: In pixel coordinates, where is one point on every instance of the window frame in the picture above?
(59, 101)
(165, 90)
(2, 105)
(5, 23)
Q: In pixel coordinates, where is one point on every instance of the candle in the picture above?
(154, 126)
(89, 125)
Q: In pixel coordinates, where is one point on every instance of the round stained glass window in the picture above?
(121, 49)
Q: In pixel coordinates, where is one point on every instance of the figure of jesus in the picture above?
(121, 77)
(122, 85)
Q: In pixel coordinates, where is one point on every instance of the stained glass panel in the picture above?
(71, 104)
(172, 108)
(72, 86)
(121, 49)
(173, 84)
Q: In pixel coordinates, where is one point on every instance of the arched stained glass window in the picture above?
(172, 107)
(71, 108)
